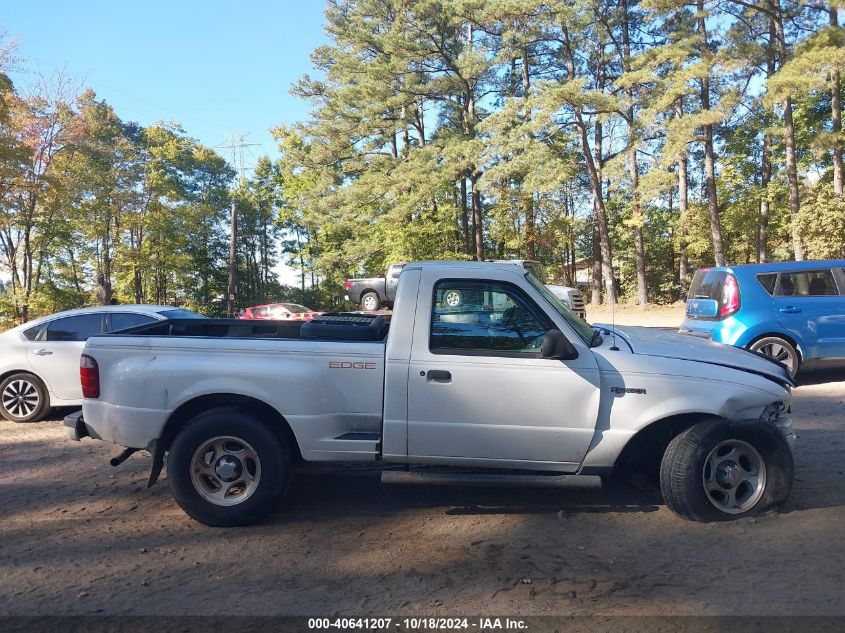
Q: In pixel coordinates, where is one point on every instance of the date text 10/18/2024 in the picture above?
(418, 624)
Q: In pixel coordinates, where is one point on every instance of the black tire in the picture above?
(371, 298)
(453, 298)
(685, 465)
(23, 398)
(778, 349)
(272, 457)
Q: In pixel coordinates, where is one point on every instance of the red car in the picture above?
(279, 312)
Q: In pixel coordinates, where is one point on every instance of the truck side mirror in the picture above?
(557, 347)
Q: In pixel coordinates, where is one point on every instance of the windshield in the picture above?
(536, 269)
(179, 313)
(295, 307)
(581, 327)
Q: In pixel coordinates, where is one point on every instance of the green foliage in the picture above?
(447, 129)
(823, 223)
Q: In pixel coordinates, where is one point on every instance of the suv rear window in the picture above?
(707, 284)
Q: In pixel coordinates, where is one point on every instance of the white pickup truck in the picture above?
(508, 380)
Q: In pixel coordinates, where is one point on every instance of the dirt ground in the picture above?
(80, 537)
(669, 316)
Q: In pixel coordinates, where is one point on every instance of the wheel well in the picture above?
(375, 292)
(5, 375)
(274, 420)
(644, 451)
(785, 337)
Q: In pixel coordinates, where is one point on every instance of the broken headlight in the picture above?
(772, 412)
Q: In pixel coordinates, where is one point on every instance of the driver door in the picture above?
(479, 392)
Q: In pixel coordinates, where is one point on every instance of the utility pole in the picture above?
(236, 142)
(233, 263)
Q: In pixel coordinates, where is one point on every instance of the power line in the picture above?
(237, 145)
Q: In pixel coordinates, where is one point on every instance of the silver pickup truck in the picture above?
(507, 379)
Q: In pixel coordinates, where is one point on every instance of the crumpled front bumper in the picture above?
(784, 425)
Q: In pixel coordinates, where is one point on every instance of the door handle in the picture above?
(438, 375)
(789, 309)
(43, 352)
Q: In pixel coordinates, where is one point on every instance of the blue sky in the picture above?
(216, 66)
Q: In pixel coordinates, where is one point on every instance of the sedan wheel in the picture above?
(23, 398)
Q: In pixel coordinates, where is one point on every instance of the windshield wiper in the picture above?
(596, 340)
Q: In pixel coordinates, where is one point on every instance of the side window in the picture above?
(815, 283)
(32, 333)
(75, 328)
(261, 312)
(768, 282)
(484, 318)
(124, 320)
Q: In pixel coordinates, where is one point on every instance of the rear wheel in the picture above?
(227, 468)
(23, 398)
(370, 302)
(718, 470)
(780, 350)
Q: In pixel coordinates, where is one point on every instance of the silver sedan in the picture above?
(39, 360)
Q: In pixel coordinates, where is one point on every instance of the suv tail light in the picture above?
(348, 284)
(730, 297)
(89, 375)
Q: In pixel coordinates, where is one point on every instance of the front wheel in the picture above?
(719, 471)
(227, 468)
(780, 350)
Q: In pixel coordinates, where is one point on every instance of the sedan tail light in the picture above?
(89, 375)
(730, 296)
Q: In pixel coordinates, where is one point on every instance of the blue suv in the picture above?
(793, 312)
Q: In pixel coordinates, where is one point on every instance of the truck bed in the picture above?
(337, 326)
(325, 377)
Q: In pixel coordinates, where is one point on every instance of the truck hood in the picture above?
(655, 342)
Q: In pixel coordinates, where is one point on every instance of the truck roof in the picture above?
(453, 263)
(782, 266)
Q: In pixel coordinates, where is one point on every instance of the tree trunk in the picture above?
(789, 136)
(477, 220)
(709, 158)
(528, 196)
(633, 169)
(683, 207)
(766, 160)
(836, 113)
(595, 298)
(595, 181)
(465, 216)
